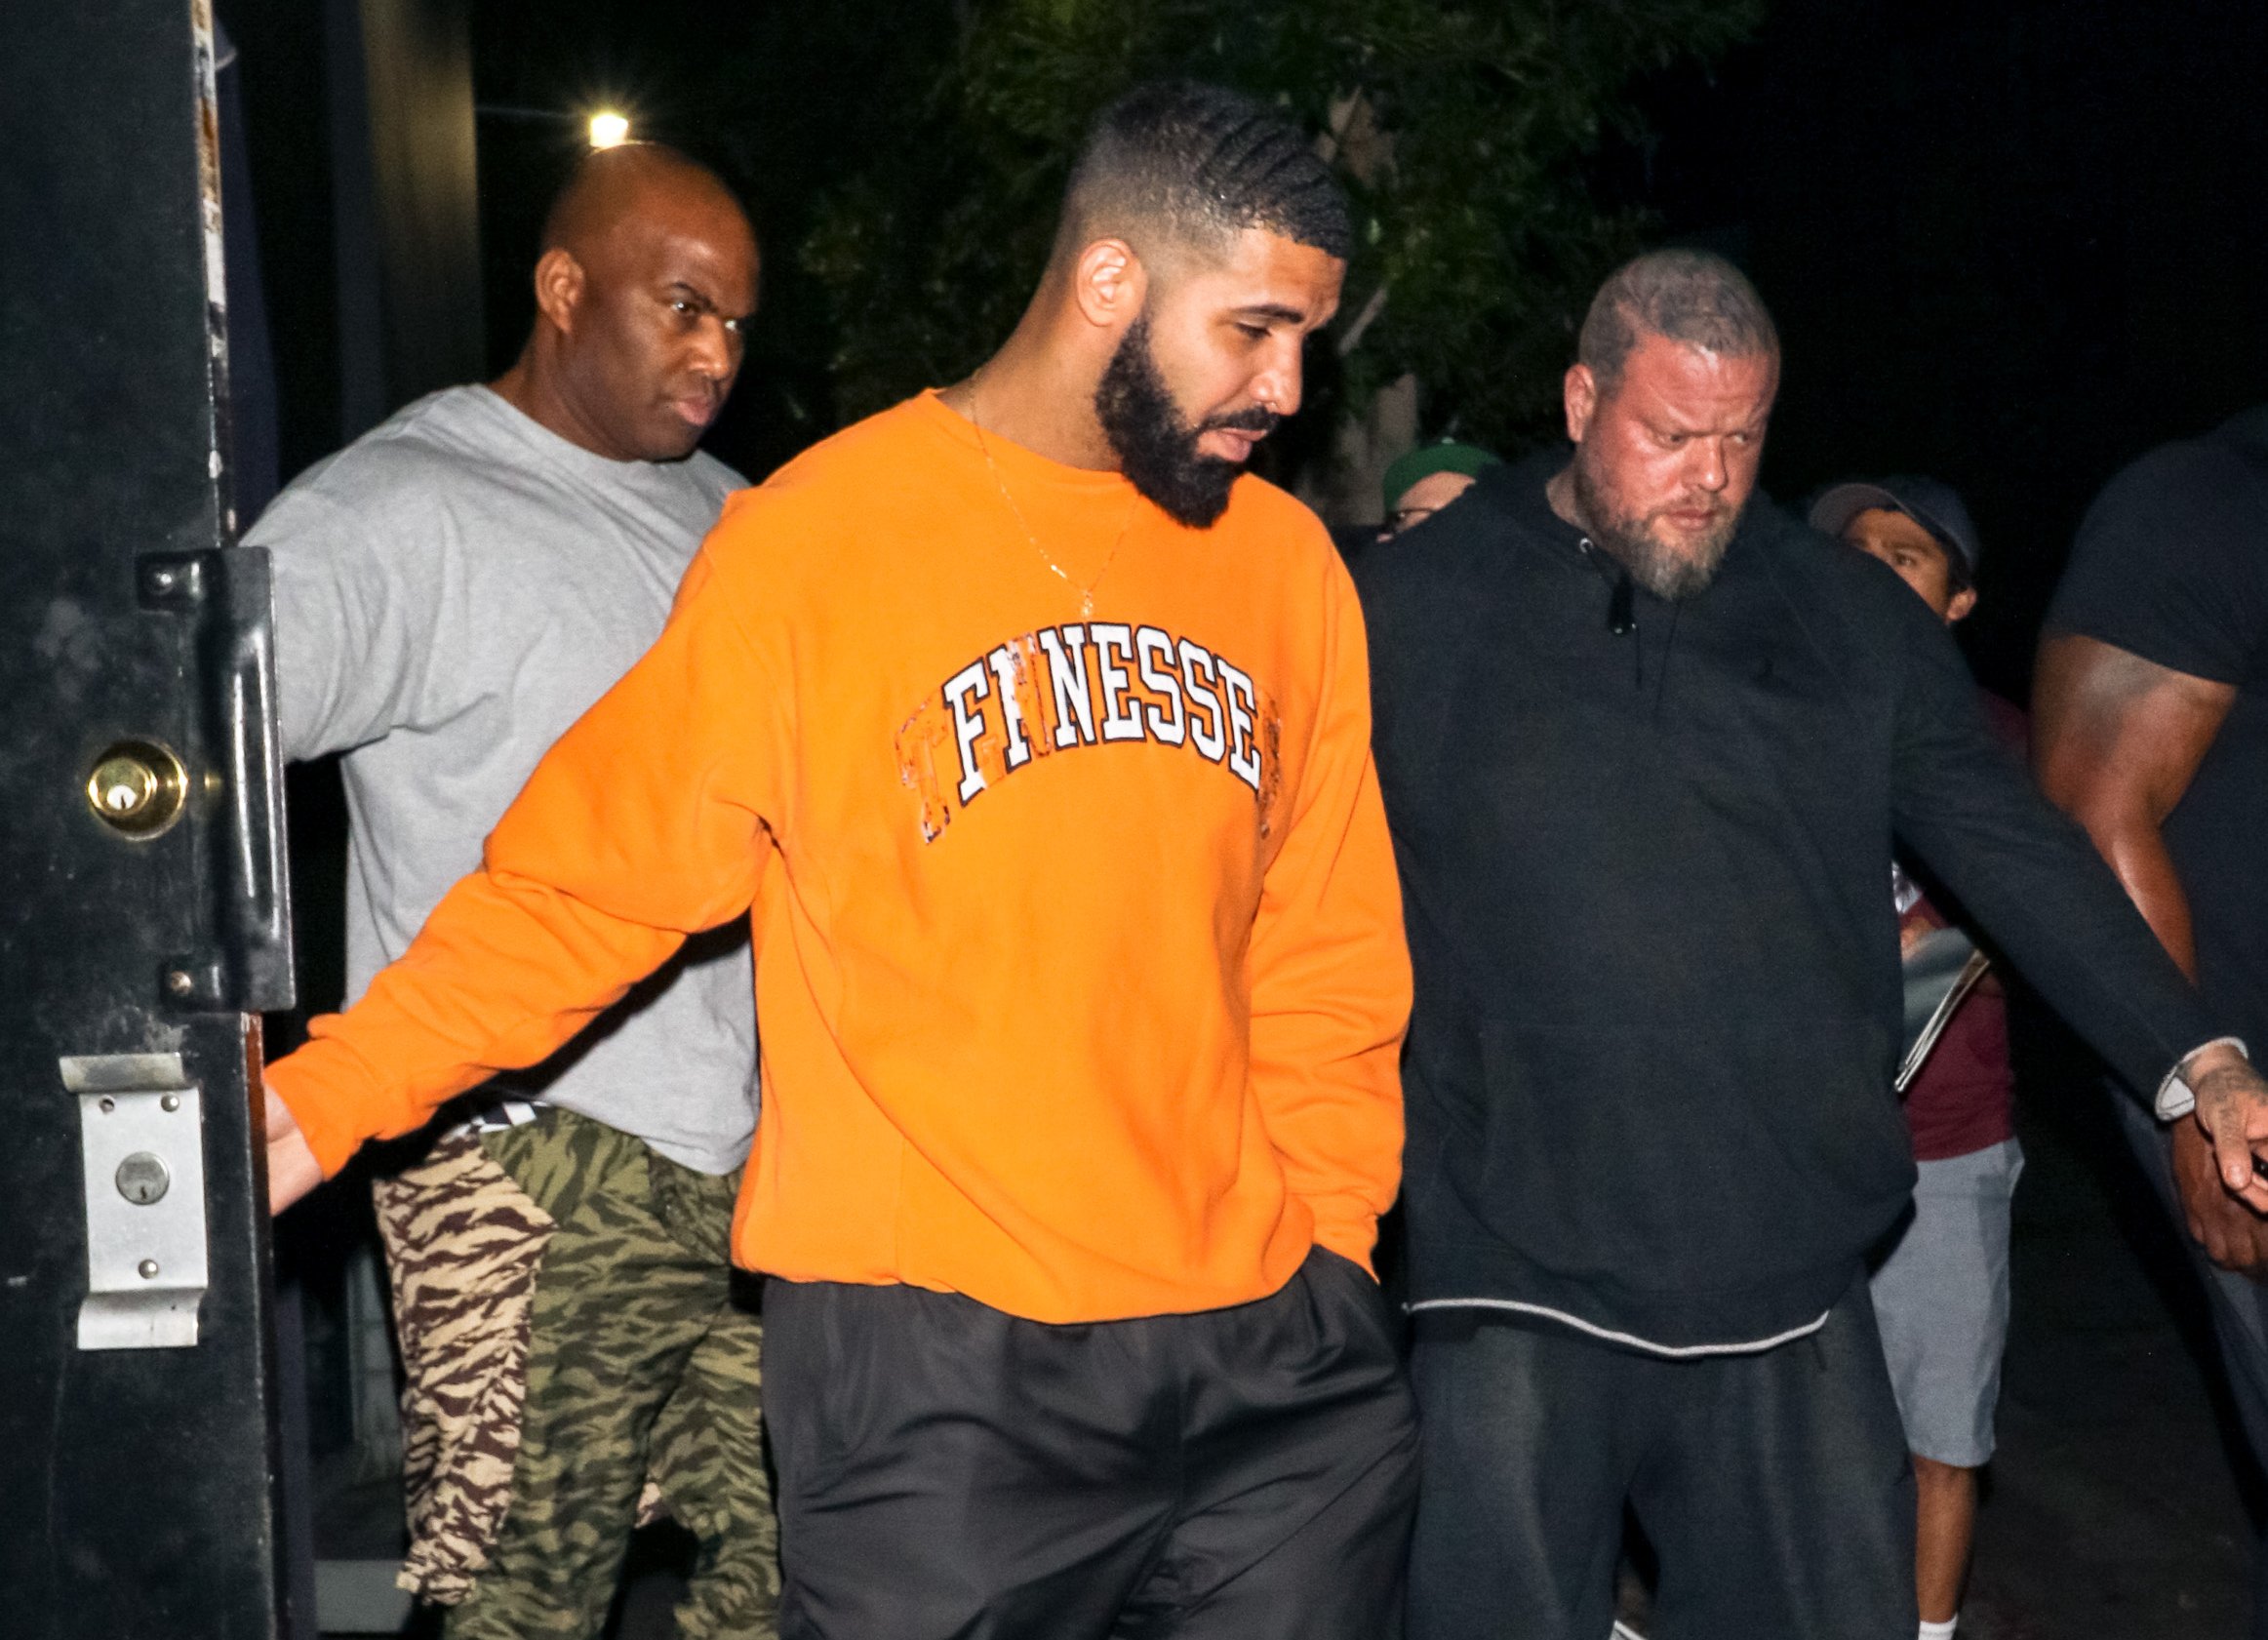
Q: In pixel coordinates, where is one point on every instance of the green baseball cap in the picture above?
(1426, 460)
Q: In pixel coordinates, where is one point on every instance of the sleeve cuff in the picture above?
(2175, 1096)
(332, 1119)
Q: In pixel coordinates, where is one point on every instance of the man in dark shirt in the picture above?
(1941, 1284)
(2151, 707)
(1645, 748)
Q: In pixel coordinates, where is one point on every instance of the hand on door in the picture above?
(291, 1168)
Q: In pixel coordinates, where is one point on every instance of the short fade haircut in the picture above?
(1692, 297)
(1200, 163)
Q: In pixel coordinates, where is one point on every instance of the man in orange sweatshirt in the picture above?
(1039, 737)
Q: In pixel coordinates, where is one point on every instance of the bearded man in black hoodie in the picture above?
(1646, 742)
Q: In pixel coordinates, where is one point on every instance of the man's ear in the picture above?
(1108, 282)
(1961, 602)
(559, 282)
(1579, 394)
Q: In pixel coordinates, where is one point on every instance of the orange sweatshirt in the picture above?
(1082, 976)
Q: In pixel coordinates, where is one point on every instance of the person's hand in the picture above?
(2231, 1235)
(2232, 1109)
(291, 1168)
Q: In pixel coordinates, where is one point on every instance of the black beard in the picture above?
(1156, 448)
(1664, 571)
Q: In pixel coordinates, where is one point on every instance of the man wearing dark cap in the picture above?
(1941, 1284)
(1646, 744)
(1420, 482)
(1918, 527)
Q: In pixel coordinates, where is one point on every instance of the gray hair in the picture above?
(1692, 297)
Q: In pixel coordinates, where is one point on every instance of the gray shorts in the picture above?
(1941, 1299)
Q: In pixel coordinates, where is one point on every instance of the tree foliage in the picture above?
(1462, 131)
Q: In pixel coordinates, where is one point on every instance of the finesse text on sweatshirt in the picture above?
(1081, 975)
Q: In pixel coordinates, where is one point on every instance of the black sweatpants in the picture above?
(1775, 1487)
(949, 1470)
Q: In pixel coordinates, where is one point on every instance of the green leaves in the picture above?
(1462, 131)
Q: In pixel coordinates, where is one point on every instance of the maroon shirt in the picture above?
(1959, 1101)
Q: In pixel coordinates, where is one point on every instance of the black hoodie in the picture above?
(1647, 879)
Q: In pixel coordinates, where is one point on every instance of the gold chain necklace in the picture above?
(1085, 592)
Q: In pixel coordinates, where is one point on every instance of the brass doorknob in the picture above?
(136, 788)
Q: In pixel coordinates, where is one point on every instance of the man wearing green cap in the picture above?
(1420, 482)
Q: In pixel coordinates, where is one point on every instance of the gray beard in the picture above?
(1669, 575)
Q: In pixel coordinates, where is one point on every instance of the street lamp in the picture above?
(609, 130)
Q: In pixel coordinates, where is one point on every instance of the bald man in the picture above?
(452, 591)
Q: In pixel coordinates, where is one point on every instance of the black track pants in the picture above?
(949, 1470)
(1775, 1487)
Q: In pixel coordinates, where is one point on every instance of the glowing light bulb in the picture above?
(609, 130)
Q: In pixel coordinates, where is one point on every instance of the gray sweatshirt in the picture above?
(452, 591)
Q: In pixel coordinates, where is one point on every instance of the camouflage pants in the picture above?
(576, 1364)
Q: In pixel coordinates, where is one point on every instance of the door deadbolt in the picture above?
(136, 788)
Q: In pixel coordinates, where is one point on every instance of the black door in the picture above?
(143, 916)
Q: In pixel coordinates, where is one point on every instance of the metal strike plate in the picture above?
(141, 1131)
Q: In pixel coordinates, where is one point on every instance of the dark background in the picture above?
(2009, 244)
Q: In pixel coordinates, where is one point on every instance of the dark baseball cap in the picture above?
(1934, 505)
